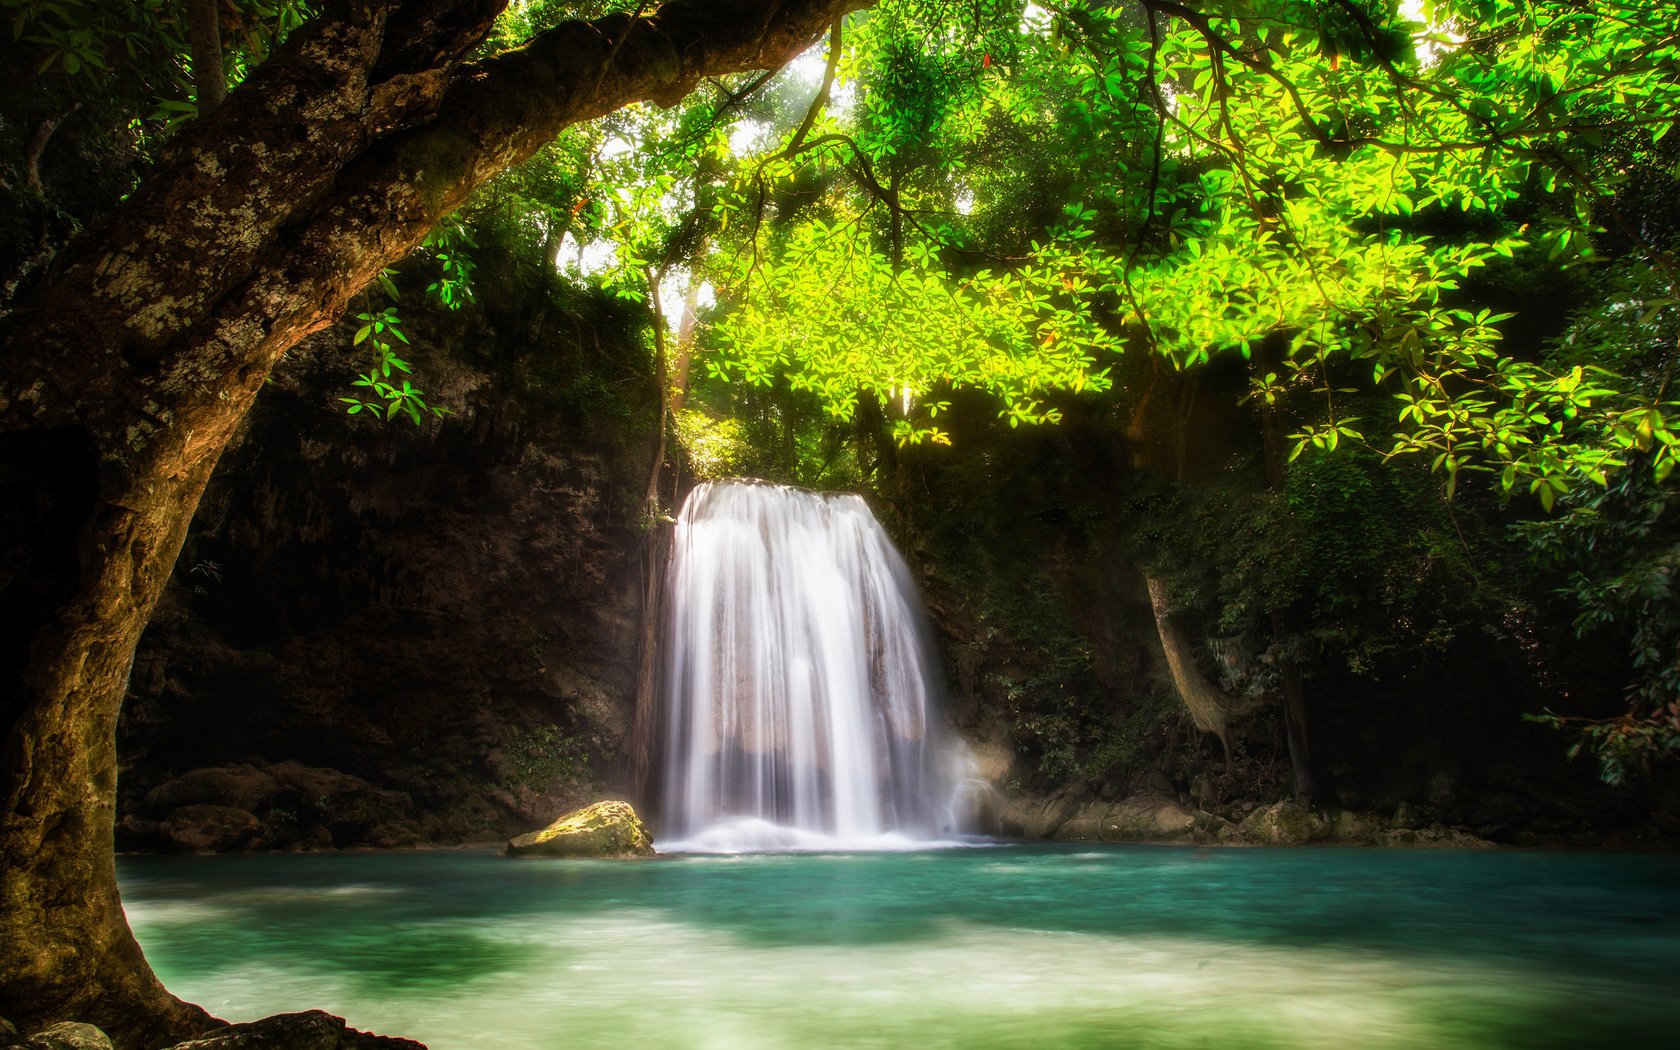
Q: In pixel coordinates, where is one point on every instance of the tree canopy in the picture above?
(1341, 198)
(1440, 231)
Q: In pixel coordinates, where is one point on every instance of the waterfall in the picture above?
(799, 684)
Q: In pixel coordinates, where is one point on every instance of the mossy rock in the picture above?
(1286, 824)
(606, 829)
(69, 1035)
(1140, 818)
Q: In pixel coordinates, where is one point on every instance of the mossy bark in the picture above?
(1209, 708)
(133, 363)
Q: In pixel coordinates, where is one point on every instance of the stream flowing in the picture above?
(1010, 946)
(800, 683)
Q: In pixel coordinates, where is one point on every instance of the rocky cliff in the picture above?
(387, 634)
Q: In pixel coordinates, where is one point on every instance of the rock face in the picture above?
(68, 1035)
(314, 1030)
(284, 806)
(1141, 818)
(383, 634)
(1071, 818)
(1286, 824)
(606, 829)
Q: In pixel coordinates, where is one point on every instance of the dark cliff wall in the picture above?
(386, 634)
(1424, 640)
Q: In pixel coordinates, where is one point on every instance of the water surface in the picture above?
(1041, 946)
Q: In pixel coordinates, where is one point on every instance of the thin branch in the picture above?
(1204, 26)
(821, 100)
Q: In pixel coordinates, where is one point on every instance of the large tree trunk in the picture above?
(1210, 709)
(127, 371)
(72, 617)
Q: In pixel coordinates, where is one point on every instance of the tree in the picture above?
(126, 368)
(1096, 193)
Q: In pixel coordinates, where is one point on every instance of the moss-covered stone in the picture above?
(1140, 818)
(1349, 828)
(606, 829)
(1286, 824)
(1037, 817)
(69, 1035)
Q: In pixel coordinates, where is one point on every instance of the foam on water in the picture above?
(641, 979)
(1140, 947)
(752, 835)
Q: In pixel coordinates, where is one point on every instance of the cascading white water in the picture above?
(799, 680)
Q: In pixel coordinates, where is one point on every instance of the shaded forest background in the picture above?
(428, 628)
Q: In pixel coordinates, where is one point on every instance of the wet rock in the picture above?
(348, 806)
(1209, 827)
(315, 836)
(1201, 789)
(1141, 818)
(1285, 824)
(393, 835)
(1084, 826)
(1354, 829)
(1146, 816)
(209, 829)
(1037, 817)
(1231, 834)
(219, 809)
(1436, 837)
(1156, 782)
(314, 1030)
(69, 1035)
(606, 829)
(241, 787)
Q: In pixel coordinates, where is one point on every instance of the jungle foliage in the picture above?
(1434, 233)
(1439, 233)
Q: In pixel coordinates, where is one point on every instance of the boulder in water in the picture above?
(606, 829)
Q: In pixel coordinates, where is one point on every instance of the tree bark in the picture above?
(135, 360)
(204, 38)
(687, 333)
(1209, 708)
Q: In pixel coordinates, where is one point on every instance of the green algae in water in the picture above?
(974, 948)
